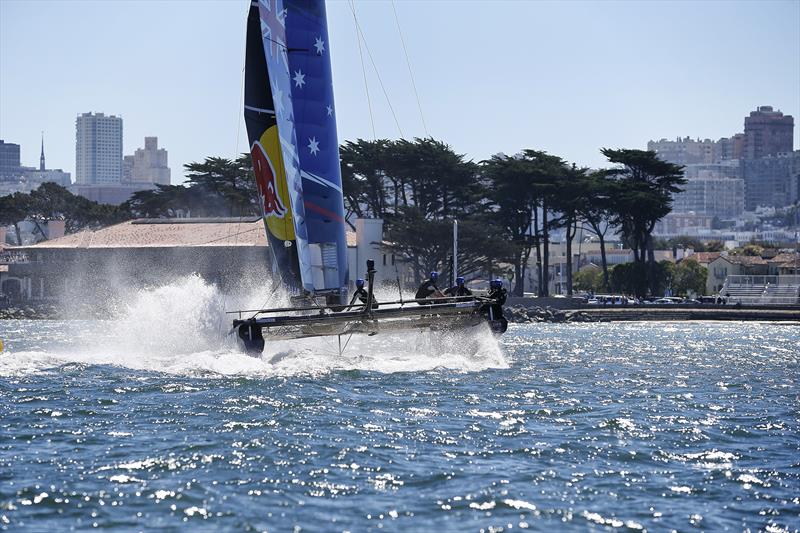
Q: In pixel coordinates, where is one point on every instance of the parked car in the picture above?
(664, 301)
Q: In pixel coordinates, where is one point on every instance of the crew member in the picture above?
(497, 292)
(362, 295)
(427, 289)
(459, 289)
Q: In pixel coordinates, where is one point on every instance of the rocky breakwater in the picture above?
(523, 315)
(27, 312)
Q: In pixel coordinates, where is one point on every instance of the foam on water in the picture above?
(181, 328)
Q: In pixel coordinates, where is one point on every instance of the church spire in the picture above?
(41, 159)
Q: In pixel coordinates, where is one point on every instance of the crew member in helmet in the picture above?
(493, 310)
(459, 289)
(497, 292)
(362, 294)
(428, 289)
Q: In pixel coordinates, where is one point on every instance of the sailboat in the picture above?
(291, 126)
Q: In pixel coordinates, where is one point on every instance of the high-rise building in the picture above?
(98, 149)
(730, 147)
(9, 161)
(772, 181)
(711, 194)
(767, 132)
(127, 169)
(149, 165)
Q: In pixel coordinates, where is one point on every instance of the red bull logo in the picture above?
(266, 182)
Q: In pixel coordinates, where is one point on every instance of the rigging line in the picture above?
(410, 72)
(377, 74)
(239, 115)
(363, 72)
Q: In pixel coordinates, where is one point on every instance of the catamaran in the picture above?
(291, 126)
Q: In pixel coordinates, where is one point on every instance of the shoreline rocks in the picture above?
(28, 312)
(523, 315)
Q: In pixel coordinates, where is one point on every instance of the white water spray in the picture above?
(181, 328)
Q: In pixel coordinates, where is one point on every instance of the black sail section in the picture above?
(265, 150)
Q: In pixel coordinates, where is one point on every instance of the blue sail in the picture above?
(295, 40)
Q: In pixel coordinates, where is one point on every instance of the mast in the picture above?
(455, 250)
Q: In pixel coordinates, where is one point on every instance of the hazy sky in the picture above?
(566, 77)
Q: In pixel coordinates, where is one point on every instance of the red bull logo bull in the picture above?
(266, 181)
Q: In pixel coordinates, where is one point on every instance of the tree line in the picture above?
(507, 207)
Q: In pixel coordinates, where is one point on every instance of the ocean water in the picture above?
(155, 420)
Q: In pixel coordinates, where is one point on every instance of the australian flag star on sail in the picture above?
(315, 124)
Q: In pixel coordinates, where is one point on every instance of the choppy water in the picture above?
(126, 425)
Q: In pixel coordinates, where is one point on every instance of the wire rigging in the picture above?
(239, 117)
(363, 71)
(410, 72)
(374, 66)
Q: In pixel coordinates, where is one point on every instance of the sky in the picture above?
(492, 76)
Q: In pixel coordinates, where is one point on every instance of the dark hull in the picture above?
(283, 324)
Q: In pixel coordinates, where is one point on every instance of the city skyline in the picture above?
(549, 76)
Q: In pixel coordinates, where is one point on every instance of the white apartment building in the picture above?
(98, 149)
(712, 195)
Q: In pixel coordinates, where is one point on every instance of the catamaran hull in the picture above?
(253, 332)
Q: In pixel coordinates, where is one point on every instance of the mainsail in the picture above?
(291, 126)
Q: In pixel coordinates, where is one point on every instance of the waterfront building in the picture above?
(9, 161)
(767, 132)
(712, 195)
(733, 265)
(98, 149)
(772, 181)
(148, 165)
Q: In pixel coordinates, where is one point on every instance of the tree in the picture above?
(750, 249)
(520, 188)
(418, 188)
(568, 197)
(596, 209)
(689, 277)
(427, 244)
(688, 242)
(634, 278)
(13, 210)
(509, 182)
(364, 177)
(51, 201)
(589, 279)
(645, 198)
(216, 187)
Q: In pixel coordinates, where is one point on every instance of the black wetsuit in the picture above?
(494, 310)
(425, 290)
(458, 290)
(362, 295)
(499, 295)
